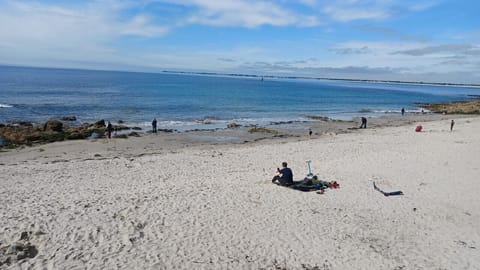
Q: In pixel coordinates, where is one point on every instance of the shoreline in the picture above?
(164, 142)
(23, 133)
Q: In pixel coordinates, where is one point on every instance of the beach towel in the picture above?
(306, 185)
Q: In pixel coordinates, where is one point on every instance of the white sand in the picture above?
(213, 207)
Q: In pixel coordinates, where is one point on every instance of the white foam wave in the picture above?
(5, 105)
(406, 111)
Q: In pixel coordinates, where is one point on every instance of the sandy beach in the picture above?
(176, 202)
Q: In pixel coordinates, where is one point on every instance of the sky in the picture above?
(407, 40)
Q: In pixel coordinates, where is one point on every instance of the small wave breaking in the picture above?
(5, 105)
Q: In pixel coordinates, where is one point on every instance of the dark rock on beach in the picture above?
(53, 130)
(167, 130)
(134, 134)
(262, 130)
(458, 107)
(18, 251)
(24, 124)
(284, 123)
(53, 125)
(121, 136)
(100, 123)
(121, 127)
(233, 125)
(69, 118)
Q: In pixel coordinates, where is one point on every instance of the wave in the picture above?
(415, 111)
(365, 111)
(5, 105)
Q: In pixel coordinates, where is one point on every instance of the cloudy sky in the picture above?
(413, 40)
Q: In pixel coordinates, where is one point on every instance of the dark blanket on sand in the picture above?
(308, 185)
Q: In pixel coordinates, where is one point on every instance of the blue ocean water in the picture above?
(184, 102)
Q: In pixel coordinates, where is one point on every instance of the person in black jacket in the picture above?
(154, 125)
(283, 176)
(109, 130)
(364, 122)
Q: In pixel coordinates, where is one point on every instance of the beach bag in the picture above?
(418, 128)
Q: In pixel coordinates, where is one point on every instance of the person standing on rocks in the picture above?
(109, 129)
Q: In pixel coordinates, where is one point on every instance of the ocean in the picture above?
(188, 101)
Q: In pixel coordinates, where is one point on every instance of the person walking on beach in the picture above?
(283, 176)
(109, 130)
(364, 123)
(310, 132)
(451, 125)
(403, 111)
(154, 125)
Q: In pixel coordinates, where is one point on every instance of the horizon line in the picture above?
(474, 85)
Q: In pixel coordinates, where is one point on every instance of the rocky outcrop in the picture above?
(100, 123)
(24, 133)
(53, 125)
(53, 130)
(458, 107)
(233, 125)
(262, 130)
(69, 118)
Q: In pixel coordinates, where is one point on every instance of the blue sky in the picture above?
(413, 40)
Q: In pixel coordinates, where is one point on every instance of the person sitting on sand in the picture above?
(284, 176)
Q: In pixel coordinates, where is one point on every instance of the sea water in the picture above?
(188, 101)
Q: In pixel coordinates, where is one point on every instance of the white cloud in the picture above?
(442, 50)
(36, 33)
(140, 25)
(344, 14)
(391, 33)
(97, 21)
(411, 59)
(421, 6)
(351, 10)
(243, 13)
